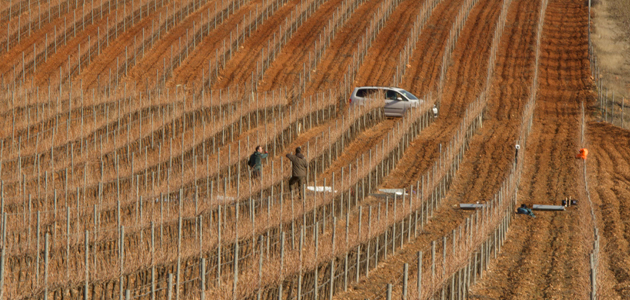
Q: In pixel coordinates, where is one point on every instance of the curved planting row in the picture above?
(93, 46)
(161, 226)
(237, 37)
(483, 233)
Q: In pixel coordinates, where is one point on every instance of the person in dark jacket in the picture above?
(298, 175)
(255, 161)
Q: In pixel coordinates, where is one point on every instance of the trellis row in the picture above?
(97, 44)
(376, 24)
(130, 208)
(148, 137)
(465, 267)
(368, 249)
(336, 22)
(228, 212)
(283, 34)
(237, 37)
(454, 33)
(15, 31)
(603, 104)
(410, 46)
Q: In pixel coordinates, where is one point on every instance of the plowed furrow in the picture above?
(608, 170)
(466, 76)
(162, 53)
(388, 45)
(545, 257)
(239, 69)
(102, 64)
(339, 54)
(287, 66)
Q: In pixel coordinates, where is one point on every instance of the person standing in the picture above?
(255, 161)
(298, 172)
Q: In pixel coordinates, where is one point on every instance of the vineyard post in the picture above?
(316, 277)
(219, 248)
(495, 244)
(121, 243)
(405, 281)
(260, 264)
(419, 275)
(282, 253)
(612, 109)
(179, 254)
(299, 291)
(152, 261)
(87, 272)
(3, 255)
(46, 255)
(170, 287)
(474, 278)
(432, 262)
(202, 285)
(235, 288)
(67, 241)
(37, 263)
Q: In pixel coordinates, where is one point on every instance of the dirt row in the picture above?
(101, 64)
(487, 160)
(388, 45)
(547, 257)
(287, 66)
(339, 54)
(239, 69)
(161, 52)
(609, 183)
(26, 44)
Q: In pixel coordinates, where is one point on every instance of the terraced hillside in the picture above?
(128, 127)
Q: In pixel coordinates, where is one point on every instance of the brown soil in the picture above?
(464, 80)
(383, 56)
(339, 53)
(101, 64)
(161, 52)
(609, 183)
(287, 66)
(239, 69)
(26, 44)
(547, 257)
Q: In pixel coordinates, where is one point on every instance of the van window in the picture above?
(363, 93)
(409, 95)
(391, 95)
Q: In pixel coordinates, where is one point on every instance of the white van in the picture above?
(396, 100)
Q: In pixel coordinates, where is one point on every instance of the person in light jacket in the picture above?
(298, 174)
